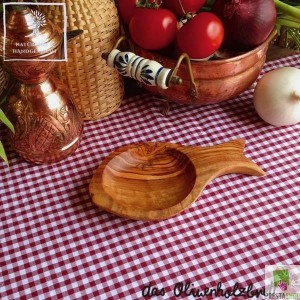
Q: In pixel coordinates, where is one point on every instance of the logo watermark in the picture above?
(39, 21)
(189, 290)
(282, 282)
(35, 46)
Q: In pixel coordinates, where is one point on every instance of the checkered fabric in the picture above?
(56, 244)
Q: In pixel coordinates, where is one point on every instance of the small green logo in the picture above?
(281, 279)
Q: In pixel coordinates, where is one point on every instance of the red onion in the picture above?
(247, 23)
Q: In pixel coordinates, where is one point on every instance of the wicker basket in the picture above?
(4, 78)
(97, 89)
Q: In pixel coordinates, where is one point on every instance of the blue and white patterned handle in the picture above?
(144, 70)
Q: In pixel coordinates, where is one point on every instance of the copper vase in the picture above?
(47, 124)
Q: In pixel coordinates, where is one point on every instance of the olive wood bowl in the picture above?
(157, 180)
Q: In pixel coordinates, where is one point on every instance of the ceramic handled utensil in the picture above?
(154, 181)
(143, 70)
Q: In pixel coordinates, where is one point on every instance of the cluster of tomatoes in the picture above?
(154, 25)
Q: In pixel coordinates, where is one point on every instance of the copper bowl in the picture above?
(211, 81)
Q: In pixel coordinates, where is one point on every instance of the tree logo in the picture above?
(39, 21)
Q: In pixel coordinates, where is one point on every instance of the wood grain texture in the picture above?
(154, 181)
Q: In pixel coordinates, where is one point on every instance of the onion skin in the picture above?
(277, 97)
(247, 23)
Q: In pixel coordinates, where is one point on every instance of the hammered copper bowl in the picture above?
(215, 80)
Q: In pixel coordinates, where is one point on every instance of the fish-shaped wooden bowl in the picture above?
(157, 180)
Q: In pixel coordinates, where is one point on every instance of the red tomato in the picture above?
(153, 29)
(127, 9)
(201, 36)
(187, 6)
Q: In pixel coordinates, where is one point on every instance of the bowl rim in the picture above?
(222, 60)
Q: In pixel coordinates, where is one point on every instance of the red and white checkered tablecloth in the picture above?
(55, 244)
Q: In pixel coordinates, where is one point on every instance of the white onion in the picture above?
(277, 97)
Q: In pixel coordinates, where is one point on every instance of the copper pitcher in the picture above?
(47, 124)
